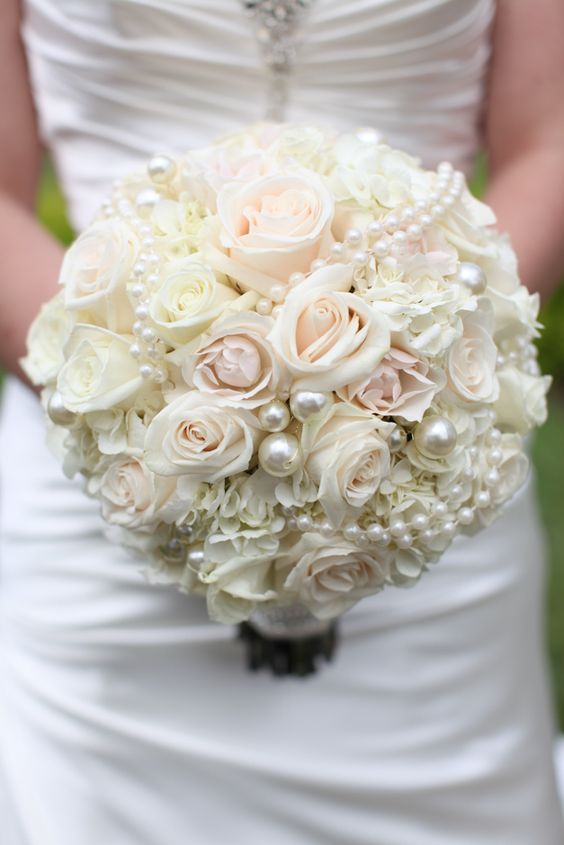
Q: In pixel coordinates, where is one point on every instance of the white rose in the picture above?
(521, 404)
(471, 362)
(326, 336)
(99, 372)
(95, 273)
(331, 579)
(132, 496)
(347, 457)
(46, 340)
(271, 228)
(188, 300)
(236, 362)
(399, 386)
(197, 435)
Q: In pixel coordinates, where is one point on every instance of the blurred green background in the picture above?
(548, 449)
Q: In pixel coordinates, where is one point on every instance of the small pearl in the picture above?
(338, 252)
(491, 477)
(449, 528)
(445, 168)
(146, 200)
(146, 371)
(351, 532)
(153, 353)
(405, 541)
(375, 229)
(494, 456)
(292, 523)
(493, 437)
(195, 556)
(397, 439)
(421, 205)
(456, 491)
(148, 335)
(385, 539)
(161, 169)
(137, 327)
(276, 311)
(363, 539)
(435, 437)
(420, 521)
(397, 527)
(375, 532)
(174, 550)
(438, 210)
(440, 509)
(152, 279)
(135, 350)
(428, 535)
(318, 264)
(391, 222)
(160, 374)
(185, 530)
(326, 529)
(382, 247)
(139, 268)
(304, 522)
(353, 237)
(408, 214)
(360, 258)
(469, 473)
(148, 242)
(137, 290)
(472, 276)
(274, 416)
(465, 516)
(141, 311)
(448, 201)
(277, 292)
(57, 412)
(153, 259)
(472, 452)
(426, 220)
(414, 232)
(296, 279)
(264, 307)
(399, 237)
(483, 499)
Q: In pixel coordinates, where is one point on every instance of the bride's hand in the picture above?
(525, 135)
(29, 257)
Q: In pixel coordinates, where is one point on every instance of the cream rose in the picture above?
(399, 386)
(198, 436)
(95, 273)
(46, 340)
(188, 300)
(471, 362)
(132, 496)
(331, 579)
(521, 404)
(271, 228)
(326, 336)
(236, 362)
(99, 372)
(347, 457)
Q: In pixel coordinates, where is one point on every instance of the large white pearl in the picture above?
(274, 416)
(57, 411)
(472, 276)
(279, 454)
(435, 437)
(161, 169)
(306, 404)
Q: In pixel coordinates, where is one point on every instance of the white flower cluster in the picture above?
(291, 366)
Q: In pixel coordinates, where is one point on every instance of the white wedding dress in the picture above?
(127, 717)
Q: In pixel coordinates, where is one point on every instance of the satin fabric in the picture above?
(127, 716)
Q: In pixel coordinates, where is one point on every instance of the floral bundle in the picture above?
(291, 367)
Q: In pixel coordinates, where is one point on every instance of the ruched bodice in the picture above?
(116, 80)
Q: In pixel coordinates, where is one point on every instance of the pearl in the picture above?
(306, 404)
(397, 527)
(382, 247)
(375, 228)
(405, 541)
(449, 528)
(137, 290)
(375, 532)
(385, 539)
(141, 311)
(435, 437)
(414, 232)
(185, 530)
(146, 371)
(148, 335)
(160, 374)
(469, 473)
(338, 251)
(408, 214)
(456, 491)
(438, 210)
(148, 241)
(472, 276)
(277, 292)
(146, 200)
(279, 454)
(495, 456)
(276, 311)
(493, 437)
(492, 477)
(153, 352)
(161, 169)
(135, 350)
(264, 307)
(472, 452)
(425, 220)
(304, 522)
(174, 550)
(483, 499)
(297, 278)
(397, 439)
(137, 327)
(428, 535)
(360, 258)
(440, 509)
(195, 557)
(318, 264)
(445, 167)
(58, 413)
(391, 222)
(420, 521)
(353, 237)
(465, 516)
(139, 268)
(326, 529)
(352, 532)
(274, 416)
(399, 237)
(152, 279)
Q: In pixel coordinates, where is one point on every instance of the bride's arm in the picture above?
(525, 135)
(29, 257)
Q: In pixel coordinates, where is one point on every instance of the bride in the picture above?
(127, 717)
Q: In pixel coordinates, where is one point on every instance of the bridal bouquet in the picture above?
(292, 367)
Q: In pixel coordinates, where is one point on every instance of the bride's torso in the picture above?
(117, 80)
